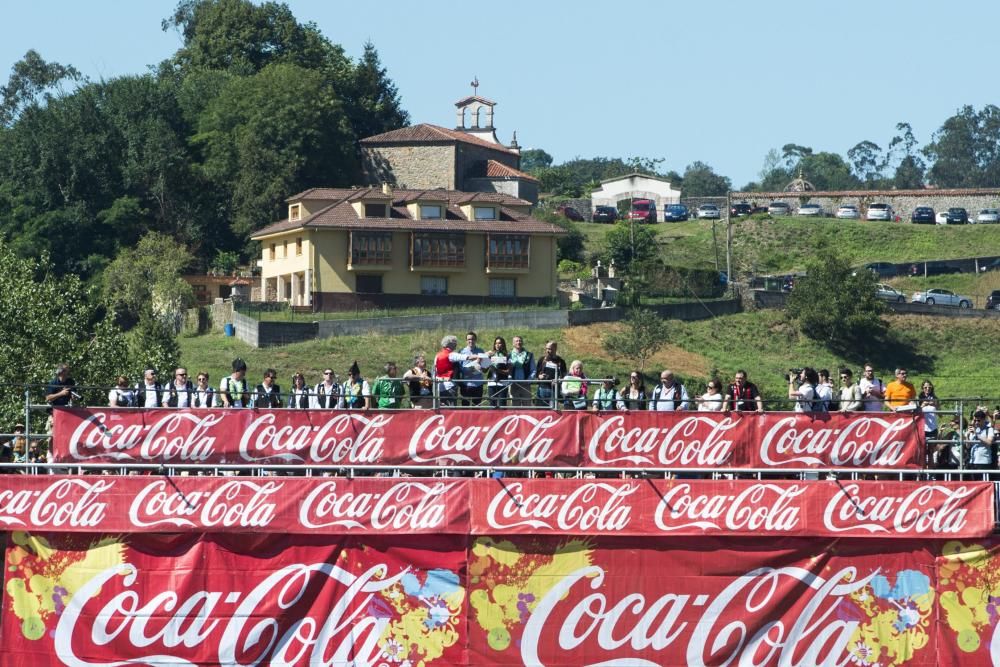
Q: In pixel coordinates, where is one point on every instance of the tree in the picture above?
(628, 242)
(643, 335)
(30, 77)
(837, 306)
(827, 171)
(867, 159)
(701, 181)
(966, 150)
(372, 99)
(534, 159)
(910, 171)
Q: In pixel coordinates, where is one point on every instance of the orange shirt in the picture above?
(898, 394)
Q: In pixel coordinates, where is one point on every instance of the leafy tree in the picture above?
(966, 150)
(909, 174)
(534, 159)
(867, 159)
(773, 177)
(151, 343)
(574, 178)
(628, 242)
(643, 335)
(701, 181)
(372, 100)
(837, 306)
(827, 171)
(570, 245)
(911, 168)
(30, 77)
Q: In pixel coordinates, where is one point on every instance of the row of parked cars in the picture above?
(644, 210)
(880, 211)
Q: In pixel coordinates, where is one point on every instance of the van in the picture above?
(643, 210)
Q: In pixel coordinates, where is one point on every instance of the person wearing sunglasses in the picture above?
(326, 395)
(712, 400)
(850, 392)
(177, 394)
(900, 394)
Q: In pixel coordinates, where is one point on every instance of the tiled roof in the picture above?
(340, 214)
(403, 195)
(425, 132)
(496, 169)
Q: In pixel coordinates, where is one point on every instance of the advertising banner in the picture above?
(541, 438)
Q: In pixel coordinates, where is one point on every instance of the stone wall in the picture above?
(471, 159)
(426, 166)
(902, 201)
(220, 313)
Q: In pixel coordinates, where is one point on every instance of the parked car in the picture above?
(813, 210)
(708, 212)
(922, 215)
(740, 209)
(957, 216)
(847, 212)
(879, 212)
(883, 269)
(933, 269)
(890, 293)
(942, 297)
(643, 210)
(605, 214)
(779, 208)
(675, 213)
(993, 300)
(988, 215)
(941, 217)
(569, 213)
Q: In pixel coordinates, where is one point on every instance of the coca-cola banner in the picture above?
(484, 506)
(489, 438)
(88, 600)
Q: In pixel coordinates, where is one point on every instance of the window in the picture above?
(371, 248)
(439, 250)
(369, 284)
(507, 251)
(294, 211)
(375, 211)
(484, 213)
(433, 285)
(272, 251)
(503, 287)
(284, 248)
(298, 245)
(430, 212)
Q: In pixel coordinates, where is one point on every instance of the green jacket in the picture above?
(388, 392)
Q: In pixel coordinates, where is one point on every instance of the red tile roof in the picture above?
(425, 132)
(496, 169)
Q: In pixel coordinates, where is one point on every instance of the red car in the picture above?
(643, 210)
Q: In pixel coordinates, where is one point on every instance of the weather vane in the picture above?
(475, 85)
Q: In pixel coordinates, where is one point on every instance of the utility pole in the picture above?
(729, 241)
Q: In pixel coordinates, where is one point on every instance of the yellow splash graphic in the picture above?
(970, 597)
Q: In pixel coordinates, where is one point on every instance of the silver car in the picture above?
(847, 212)
(708, 212)
(988, 216)
(779, 208)
(942, 297)
(879, 212)
(889, 293)
(814, 210)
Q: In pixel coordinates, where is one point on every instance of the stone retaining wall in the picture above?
(902, 201)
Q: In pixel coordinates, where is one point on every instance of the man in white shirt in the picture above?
(668, 396)
(233, 390)
(871, 390)
(148, 392)
(327, 392)
(177, 394)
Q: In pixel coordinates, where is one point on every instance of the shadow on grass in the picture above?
(886, 349)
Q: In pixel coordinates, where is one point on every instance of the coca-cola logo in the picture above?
(344, 438)
(593, 507)
(755, 508)
(174, 436)
(232, 504)
(66, 503)
(513, 438)
(719, 630)
(926, 510)
(405, 506)
(861, 442)
(227, 627)
(694, 441)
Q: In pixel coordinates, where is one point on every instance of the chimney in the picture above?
(387, 188)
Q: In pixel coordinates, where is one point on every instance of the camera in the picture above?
(75, 395)
(614, 382)
(793, 374)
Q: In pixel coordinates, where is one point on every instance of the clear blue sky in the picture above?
(720, 82)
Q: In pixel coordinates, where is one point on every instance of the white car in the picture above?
(708, 212)
(988, 215)
(879, 212)
(889, 293)
(779, 208)
(942, 297)
(847, 212)
(941, 218)
(813, 210)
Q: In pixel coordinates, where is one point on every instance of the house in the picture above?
(468, 158)
(344, 248)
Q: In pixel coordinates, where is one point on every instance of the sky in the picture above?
(722, 82)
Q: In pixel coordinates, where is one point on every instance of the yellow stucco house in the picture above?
(340, 248)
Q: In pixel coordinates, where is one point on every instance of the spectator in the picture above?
(204, 394)
(606, 396)
(872, 389)
(148, 393)
(522, 369)
(824, 391)
(668, 395)
(900, 394)
(327, 392)
(121, 396)
(299, 397)
(388, 389)
(356, 394)
(574, 387)
(448, 369)
(946, 454)
(805, 394)
(850, 392)
(60, 391)
(712, 400)
(980, 437)
(267, 394)
(499, 373)
(421, 384)
(743, 395)
(471, 387)
(7, 449)
(178, 392)
(233, 390)
(550, 368)
(928, 404)
(19, 446)
(633, 395)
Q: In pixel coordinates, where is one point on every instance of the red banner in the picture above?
(534, 601)
(412, 506)
(489, 438)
